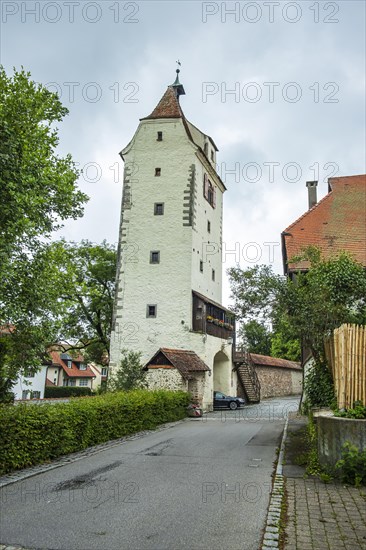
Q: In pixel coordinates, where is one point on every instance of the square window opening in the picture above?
(158, 208)
(151, 310)
(157, 171)
(155, 257)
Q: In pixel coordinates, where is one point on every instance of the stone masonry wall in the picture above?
(276, 382)
(167, 379)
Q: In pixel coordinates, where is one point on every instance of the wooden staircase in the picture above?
(247, 376)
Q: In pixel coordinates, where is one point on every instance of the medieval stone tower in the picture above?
(169, 279)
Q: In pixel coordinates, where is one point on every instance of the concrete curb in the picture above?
(271, 535)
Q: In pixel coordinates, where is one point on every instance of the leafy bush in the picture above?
(352, 466)
(129, 375)
(319, 387)
(66, 391)
(358, 411)
(32, 434)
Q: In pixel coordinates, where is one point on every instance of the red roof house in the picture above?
(65, 370)
(334, 224)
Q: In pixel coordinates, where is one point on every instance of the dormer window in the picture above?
(69, 363)
(82, 366)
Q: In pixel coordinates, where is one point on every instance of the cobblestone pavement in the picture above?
(321, 516)
(325, 516)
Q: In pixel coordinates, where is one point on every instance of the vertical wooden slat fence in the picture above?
(346, 355)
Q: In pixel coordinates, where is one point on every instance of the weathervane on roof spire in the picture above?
(179, 90)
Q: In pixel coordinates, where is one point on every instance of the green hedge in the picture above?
(66, 391)
(31, 433)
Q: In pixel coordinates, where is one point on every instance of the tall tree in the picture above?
(331, 293)
(38, 192)
(255, 291)
(87, 295)
(256, 337)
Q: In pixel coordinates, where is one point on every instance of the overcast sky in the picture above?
(296, 111)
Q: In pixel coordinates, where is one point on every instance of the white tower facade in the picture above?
(169, 279)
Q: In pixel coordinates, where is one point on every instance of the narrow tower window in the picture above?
(209, 191)
(213, 274)
(208, 226)
(155, 257)
(157, 171)
(151, 310)
(158, 208)
(160, 136)
(201, 266)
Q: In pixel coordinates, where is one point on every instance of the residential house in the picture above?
(335, 223)
(30, 385)
(66, 370)
(101, 374)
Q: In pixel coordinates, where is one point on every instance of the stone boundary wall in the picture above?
(333, 432)
(279, 381)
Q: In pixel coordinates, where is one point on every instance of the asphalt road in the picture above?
(201, 484)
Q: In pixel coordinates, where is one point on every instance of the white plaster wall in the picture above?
(296, 379)
(35, 383)
(306, 367)
(55, 373)
(207, 246)
(166, 284)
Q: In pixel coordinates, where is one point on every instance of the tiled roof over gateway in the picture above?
(185, 361)
(336, 223)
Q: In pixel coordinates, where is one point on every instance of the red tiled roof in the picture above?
(183, 360)
(7, 329)
(336, 223)
(168, 106)
(49, 383)
(73, 371)
(266, 361)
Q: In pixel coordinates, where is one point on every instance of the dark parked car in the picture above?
(222, 400)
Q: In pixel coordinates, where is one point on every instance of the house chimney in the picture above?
(312, 185)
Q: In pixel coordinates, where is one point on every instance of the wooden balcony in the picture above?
(212, 318)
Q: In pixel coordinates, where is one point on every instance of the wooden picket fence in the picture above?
(346, 356)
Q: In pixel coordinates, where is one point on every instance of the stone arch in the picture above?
(222, 375)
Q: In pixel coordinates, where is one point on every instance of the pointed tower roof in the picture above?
(168, 106)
